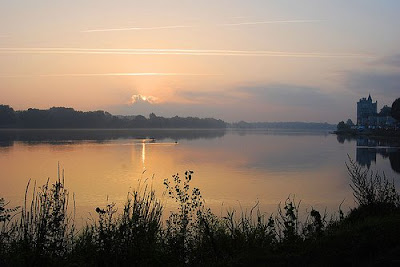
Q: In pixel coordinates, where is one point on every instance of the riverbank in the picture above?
(371, 133)
(43, 231)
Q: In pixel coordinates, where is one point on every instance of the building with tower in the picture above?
(368, 116)
(366, 110)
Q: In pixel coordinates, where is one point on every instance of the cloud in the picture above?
(288, 95)
(209, 97)
(191, 52)
(284, 95)
(104, 74)
(261, 102)
(385, 84)
(381, 79)
(393, 60)
(268, 22)
(193, 26)
(141, 98)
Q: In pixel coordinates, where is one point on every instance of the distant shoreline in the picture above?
(371, 134)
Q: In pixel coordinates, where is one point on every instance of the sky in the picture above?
(253, 60)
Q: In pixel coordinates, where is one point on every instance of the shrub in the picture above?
(45, 231)
(371, 188)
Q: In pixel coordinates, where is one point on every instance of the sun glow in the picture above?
(142, 98)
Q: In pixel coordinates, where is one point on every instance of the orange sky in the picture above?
(235, 60)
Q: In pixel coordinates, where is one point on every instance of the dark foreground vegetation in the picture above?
(42, 231)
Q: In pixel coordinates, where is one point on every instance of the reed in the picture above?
(42, 232)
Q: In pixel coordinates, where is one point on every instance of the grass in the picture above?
(42, 232)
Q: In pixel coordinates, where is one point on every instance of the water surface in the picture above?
(232, 168)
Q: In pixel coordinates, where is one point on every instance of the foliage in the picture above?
(182, 226)
(349, 122)
(61, 117)
(6, 216)
(371, 188)
(132, 236)
(343, 126)
(193, 235)
(385, 111)
(282, 125)
(45, 230)
(288, 221)
(395, 112)
(7, 116)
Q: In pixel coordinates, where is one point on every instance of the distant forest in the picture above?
(283, 125)
(60, 117)
(68, 118)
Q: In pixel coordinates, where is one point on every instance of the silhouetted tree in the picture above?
(349, 122)
(7, 116)
(385, 111)
(60, 117)
(342, 126)
(396, 109)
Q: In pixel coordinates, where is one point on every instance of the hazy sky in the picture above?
(265, 60)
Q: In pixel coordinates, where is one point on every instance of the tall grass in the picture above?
(43, 233)
(371, 188)
(131, 237)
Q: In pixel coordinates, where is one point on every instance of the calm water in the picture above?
(232, 168)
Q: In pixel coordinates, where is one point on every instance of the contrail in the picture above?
(139, 28)
(190, 52)
(193, 26)
(106, 74)
(268, 22)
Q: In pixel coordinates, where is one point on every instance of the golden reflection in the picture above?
(143, 153)
(232, 170)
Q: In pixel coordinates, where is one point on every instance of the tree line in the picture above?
(283, 125)
(61, 117)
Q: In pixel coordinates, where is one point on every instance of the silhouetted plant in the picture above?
(182, 225)
(6, 216)
(45, 229)
(371, 188)
(131, 237)
(193, 235)
(315, 224)
(251, 230)
(287, 221)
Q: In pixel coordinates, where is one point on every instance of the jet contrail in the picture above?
(191, 52)
(139, 28)
(106, 74)
(193, 26)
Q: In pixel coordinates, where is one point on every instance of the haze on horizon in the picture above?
(252, 60)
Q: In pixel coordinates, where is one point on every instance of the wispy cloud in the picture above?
(104, 74)
(139, 28)
(268, 22)
(390, 61)
(191, 52)
(169, 27)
